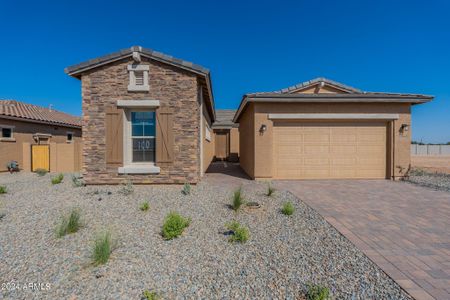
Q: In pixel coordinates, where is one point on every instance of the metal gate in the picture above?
(40, 157)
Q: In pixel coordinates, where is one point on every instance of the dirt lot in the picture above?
(440, 164)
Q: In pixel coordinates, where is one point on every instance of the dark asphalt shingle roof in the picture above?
(30, 112)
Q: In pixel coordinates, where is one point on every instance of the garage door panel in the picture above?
(330, 150)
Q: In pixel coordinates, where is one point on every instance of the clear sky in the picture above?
(249, 46)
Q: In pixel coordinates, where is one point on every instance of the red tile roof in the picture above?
(30, 112)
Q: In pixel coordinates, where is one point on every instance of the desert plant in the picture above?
(77, 182)
(270, 190)
(41, 172)
(127, 188)
(186, 188)
(240, 233)
(238, 199)
(288, 209)
(174, 225)
(317, 292)
(144, 206)
(57, 179)
(69, 223)
(3, 189)
(103, 246)
(150, 295)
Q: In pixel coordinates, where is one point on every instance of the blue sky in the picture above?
(249, 46)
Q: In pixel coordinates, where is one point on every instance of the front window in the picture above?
(143, 136)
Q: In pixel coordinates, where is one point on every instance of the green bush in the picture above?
(127, 188)
(240, 233)
(186, 188)
(144, 206)
(41, 172)
(69, 224)
(174, 225)
(77, 182)
(102, 248)
(58, 179)
(270, 190)
(288, 209)
(3, 189)
(150, 295)
(318, 292)
(238, 199)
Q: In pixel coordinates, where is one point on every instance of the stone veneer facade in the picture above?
(174, 88)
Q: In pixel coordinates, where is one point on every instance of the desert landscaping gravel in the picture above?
(434, 180)
(283, 255)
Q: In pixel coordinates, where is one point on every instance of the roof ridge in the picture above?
(317, 80)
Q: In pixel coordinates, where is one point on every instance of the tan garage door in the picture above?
(325, 150)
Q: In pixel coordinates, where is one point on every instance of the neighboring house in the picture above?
(226, 136)
(321, 129)
(24, 127)
(146, 117)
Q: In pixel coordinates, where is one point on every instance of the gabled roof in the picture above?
(78, 69)
(346, 94)
(224, 119)
(13, 109)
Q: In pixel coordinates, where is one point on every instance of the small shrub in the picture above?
(144, 206)
(77, 182)
(69, 224)
(102, 248)
(174, 225)
(288, 209)
(127, 188)
(3, 189)
(150, 295)
(58, 179)
(238, 199)
(41, 172)
(240, 233)
(318, 292)
(186, 188)
(270, 190)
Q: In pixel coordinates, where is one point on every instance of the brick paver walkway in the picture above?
(404, 229)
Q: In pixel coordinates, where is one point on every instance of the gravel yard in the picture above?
(434, 180)
(283, 254)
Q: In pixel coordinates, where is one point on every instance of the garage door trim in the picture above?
(333, 116)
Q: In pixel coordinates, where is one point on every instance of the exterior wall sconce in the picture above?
(404, 128)
(262, 129)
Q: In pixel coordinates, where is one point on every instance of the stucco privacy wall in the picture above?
(23, 133)
(259, 164)
(174, 88)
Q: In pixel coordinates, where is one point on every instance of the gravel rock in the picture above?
(437, 181)
(284, 254)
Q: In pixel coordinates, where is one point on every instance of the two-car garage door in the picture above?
(326, 150)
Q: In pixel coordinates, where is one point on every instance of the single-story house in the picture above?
(39, 138)
(147, 118)
(226, 136)
(322, 129)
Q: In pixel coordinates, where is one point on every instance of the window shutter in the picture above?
(114, 135)
(164, 135)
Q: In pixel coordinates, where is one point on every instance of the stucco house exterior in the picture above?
(25, 126)
(322, 129)
(147, 118)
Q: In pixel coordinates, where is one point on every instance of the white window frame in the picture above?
(129, 166)
(132, 87)
(7, 139)
(67, 135)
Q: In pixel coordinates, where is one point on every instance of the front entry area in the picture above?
(330, 150)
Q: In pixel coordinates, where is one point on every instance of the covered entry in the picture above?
(329, 149)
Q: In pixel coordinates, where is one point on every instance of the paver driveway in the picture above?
(403, 228)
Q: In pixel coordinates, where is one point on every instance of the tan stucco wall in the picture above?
(23, 135)
(259, 163)
(247, 134)
(234, 144)
(208, 146)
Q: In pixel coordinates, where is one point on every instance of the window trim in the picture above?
(7, 139)
(132, 86)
